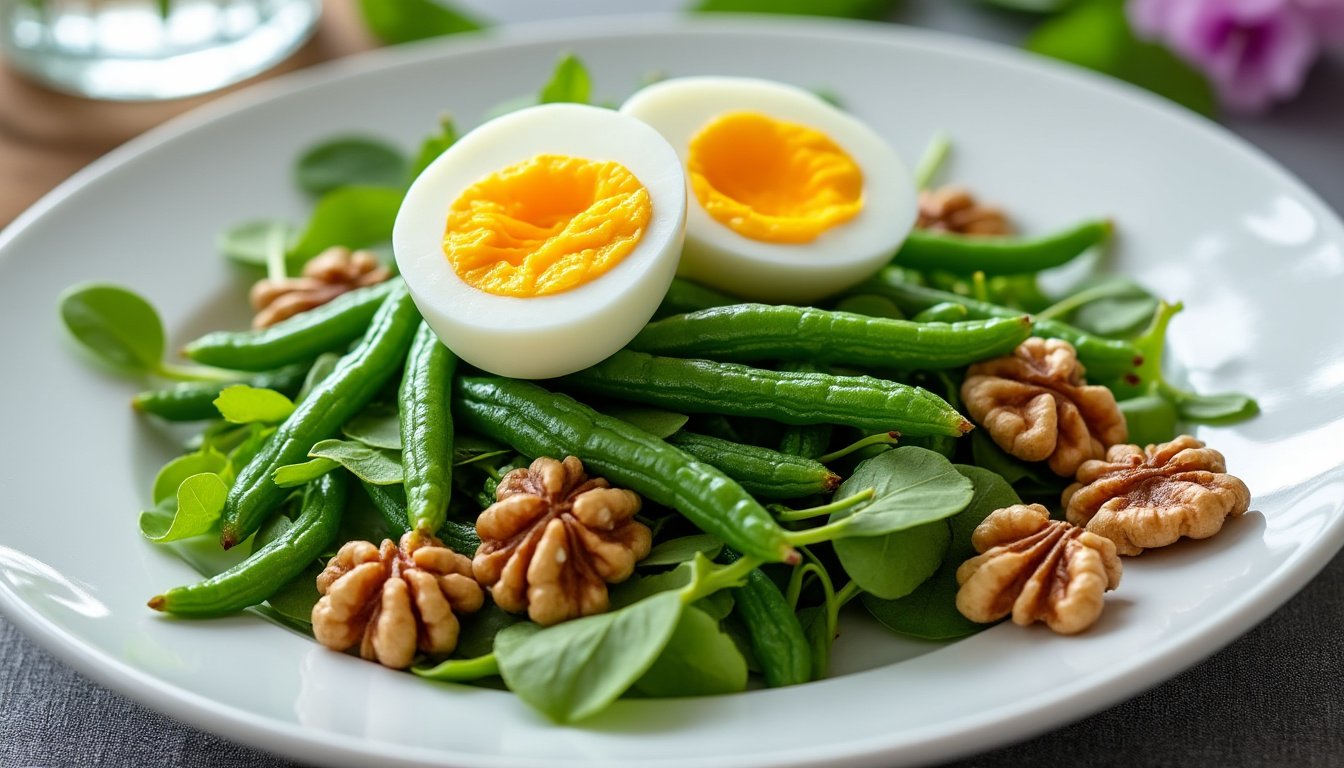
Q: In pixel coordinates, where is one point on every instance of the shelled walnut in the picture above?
(1142, 498)
(394, 599)
(331, 273)
(955, 209)
(1037, 406)
(1037, 569)
(555, 538)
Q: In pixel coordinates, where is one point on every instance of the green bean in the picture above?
(541, 423)
(749, 332)
(686, 296)
(945, 312)
(390, 501)
(701, 386)
(427, 430)
(358, 377)
(265, 571)
(302, 337)
(1104, 358)
(776, 636)
(809, 441)
(967, 254)
(764, 473)
(195, 400)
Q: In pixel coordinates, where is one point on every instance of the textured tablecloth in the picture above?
(1273, 698)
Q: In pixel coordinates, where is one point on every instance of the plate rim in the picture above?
(945, 741)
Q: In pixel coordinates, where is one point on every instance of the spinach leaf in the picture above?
(930, 612)
(698, 660)
(350, 161)
(913, 486)
(170, 477)
(378, 426)
(1224, 408)
(250, 242)
(659, 423)
(477, 637)
(460, 670)
(403, 21)
(683, 550)
(893, 565)
(355, 217)
(242, 404)
(294, 475)
(569, 82)
(200, 501)
(116, 325)
(372, 465)
(573, 670)
(433, 146)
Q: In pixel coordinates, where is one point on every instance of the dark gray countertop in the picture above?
(1272, 698)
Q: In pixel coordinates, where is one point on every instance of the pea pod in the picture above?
(776, 636)
(195, 400)
(537, 422)
(966, 254)
(269, 568)
(427, 430)
(302, 337)
(762, 472)
(1104, 358)
(355, 381)
(749, 332)
(702, 386)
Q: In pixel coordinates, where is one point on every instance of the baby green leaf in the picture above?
(295, 600)
(249, 242)
(404, 21)
(913, 486)
(355, 217)
(478, 631)
(461, 670)
(116, 325)
(170, 477)
(893, 565)
(659, 423)
(1225, 408)
(683, 550)
(1149, 418)
(200, 500)
(372, 465)
(574, 670)
(294, 475)
(350, 161)
(698, 660)
(378, 426)
(241, 404)
(569, 82)
(930, 611)
(434, 145)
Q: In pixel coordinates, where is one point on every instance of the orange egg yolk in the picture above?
(545, 225)
(772, 180)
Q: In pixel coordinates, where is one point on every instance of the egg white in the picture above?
(841, 256)
(542, 336)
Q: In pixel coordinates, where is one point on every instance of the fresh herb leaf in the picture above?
(569, 82)
(242, 404)
(250, 242)
(434, 145)
(659, 423)
(200, 501)
(1220, 409)
(683, 550)
(116, 325)
(699, 659)
(573, 670)
(355, 217)
(404, 21)
(891, 566)
(1096, 35)
(378, 426)
(635, 589)
(350, 161)
(170, 477)
(294, 475)
(913, 486)
(461, 670)
(372, 465)
(847, 9)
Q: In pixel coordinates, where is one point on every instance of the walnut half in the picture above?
(327, 275)
(1141, 498)
(555, 539)
(1037, 406)
(955, 209)
(394, 599)
(1037, 569)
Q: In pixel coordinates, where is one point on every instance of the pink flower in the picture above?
(1254, 51)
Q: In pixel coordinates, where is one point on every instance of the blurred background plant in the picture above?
(1241, 55)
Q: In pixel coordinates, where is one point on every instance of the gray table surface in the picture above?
(1272, 698)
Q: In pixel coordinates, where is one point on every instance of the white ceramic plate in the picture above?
(1203, 217)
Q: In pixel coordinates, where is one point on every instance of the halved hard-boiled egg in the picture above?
(541, 242)
(791, 199)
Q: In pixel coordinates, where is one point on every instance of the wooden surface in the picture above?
(46, 136)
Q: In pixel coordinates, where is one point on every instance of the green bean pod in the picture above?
(685, 296)
(946, 312)
(537, 422)
(390, 501)
(302, 337)
(749, 332)
(1104, 358)
(195, 400)
(358, 377)
(268, 569)
(764, 473)
(967, 254)
(809, 441)
(427, 429)
(777, 639)
(702, 386)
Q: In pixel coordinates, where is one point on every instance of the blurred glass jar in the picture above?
(150, 49)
